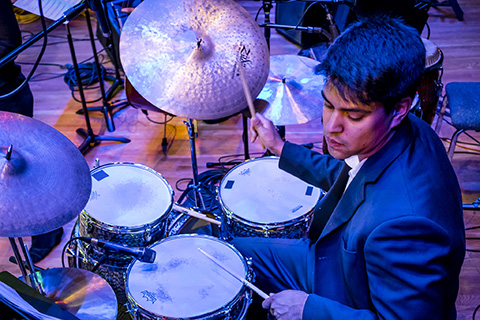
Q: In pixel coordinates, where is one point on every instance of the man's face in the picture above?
(354, 128)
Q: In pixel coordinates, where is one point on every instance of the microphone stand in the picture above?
(91, 140)
(195, 186)
(107, 107)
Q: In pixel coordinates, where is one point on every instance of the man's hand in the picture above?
(266, 132)
(286, 305)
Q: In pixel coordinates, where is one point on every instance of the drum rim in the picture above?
(283, 223)
(134, 304)
(139, 226)
(270, 225)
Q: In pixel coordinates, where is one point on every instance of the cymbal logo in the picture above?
(243, 56)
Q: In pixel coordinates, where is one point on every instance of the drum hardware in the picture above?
(147, 235)
(106, 107)
(90, 139)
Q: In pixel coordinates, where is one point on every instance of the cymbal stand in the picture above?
(31, 279)
(91, 140)
(106, 107)
(196, 186)
(267, 6)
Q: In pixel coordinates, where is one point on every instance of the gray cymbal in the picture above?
(45, 183)
(182, 56)
(293, 90)
(82, 293)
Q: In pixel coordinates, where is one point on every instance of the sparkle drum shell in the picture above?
(183, 283)
(129, 204)
(259, 199)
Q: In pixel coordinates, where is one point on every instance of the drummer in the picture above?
(387, 241)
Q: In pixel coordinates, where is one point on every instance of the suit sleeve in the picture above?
(412, 268)
(310, 166)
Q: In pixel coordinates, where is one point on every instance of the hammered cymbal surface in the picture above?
(182, 56)
(46, 182)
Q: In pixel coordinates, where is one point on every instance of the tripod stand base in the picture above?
(107, 113)
(92, 140)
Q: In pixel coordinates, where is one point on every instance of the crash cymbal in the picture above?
(293, 91)
(181, 56)
(82, 293)
(45, 183)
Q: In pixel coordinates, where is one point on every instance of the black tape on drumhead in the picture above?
(229, 184)
(100, 175)
(309, 191)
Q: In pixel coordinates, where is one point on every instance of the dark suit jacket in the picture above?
(394, 244)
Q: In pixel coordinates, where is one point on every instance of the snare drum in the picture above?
(183, 283)
(129, 204)
(259, 199)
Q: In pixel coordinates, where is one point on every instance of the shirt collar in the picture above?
(354, 163)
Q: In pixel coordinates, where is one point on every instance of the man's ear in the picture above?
(400, 111)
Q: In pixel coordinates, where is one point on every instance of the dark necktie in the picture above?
(324, 208)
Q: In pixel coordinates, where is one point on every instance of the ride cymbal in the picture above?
(293, 91)
(182, 56)
(46, 181)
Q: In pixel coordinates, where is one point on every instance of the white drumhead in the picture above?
(258, 191)
(183, 282)
(127, 194)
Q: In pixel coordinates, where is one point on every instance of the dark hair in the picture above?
(376, 59)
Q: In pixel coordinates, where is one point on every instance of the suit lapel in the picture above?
(326, 206)
(375, 165)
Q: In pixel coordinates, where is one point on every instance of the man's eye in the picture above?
(355, 117)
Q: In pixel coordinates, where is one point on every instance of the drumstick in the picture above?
(195, 214)
(246, 90)
(244, 281)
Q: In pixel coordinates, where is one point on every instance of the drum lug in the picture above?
(96, 164)
(89, 225)
(267, 232)
(226, 314)
(147, 235)
(250, 275)
(132, 310)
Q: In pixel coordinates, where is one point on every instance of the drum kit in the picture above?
(184, 58)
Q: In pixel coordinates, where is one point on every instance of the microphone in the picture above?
(97, 7)
(142, 254)
(334, 32)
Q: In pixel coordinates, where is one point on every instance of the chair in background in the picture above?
(463, 101)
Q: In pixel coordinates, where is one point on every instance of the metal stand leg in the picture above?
(196, 186)
(107, 107)
(30, 279)
(91, 140)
